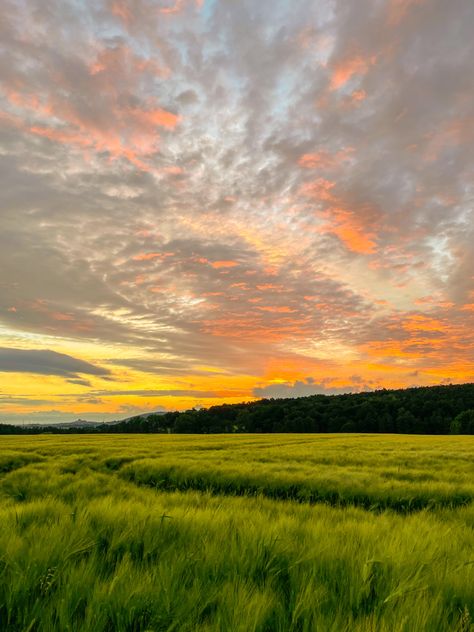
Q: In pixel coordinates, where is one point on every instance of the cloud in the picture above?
(227, 190)
(45, 362)
(130, 410)
(345, 70)
(304, 388)
(79, 382)
(8, 401)
(172, 393)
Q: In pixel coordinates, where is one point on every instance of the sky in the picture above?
(208, 201)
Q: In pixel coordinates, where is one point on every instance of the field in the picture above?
(246, 533)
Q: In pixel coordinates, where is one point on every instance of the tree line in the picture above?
(423, 410)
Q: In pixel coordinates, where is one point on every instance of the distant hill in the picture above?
(424, 410)
(79, 423)
(143, 416)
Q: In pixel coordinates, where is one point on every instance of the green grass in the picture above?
(246, 533)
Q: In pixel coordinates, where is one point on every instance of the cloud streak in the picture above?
(45, 362)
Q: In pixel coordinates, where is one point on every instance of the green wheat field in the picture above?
(247, 533)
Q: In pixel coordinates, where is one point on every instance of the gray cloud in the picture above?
(79, 382)
(165, 393)
(45, 362)
(304, 388)
(8, 401)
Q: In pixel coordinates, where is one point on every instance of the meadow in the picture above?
(245, 533)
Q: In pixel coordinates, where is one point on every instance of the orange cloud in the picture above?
(398, 10)
(423, 300)
(129, 133)
(173, 170)
(114, 61)
(320, 189)
(358, 95)
(324, 160)
(62, 136)
(61, 317)
(224, 264)
(156, 118)
(120, 9)
(277, 309)
(439, 341)
(311, 161)
(150, 256)
(420, 322)
(350, 229)
(254, 330)
(345, 70)
(452, 133)
(28, 101)
(69, 323)
(350, 226)
(137, 142)
(178, 6)
(269, 286)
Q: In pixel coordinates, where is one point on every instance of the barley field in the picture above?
(247, 533)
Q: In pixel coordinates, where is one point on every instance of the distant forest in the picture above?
(425, 410)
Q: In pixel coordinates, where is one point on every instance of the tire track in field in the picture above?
(170, 481)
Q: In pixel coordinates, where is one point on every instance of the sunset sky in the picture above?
(208, 201)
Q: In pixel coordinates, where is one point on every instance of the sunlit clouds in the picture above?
(209, 201)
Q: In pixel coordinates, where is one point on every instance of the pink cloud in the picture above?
(358, 95)
(150, 256)
(399, 9)
(224, 264)
(128, 132)
(325, 160)
(276, 309)
(345, 70)
(173, 170)
(452, 133)
(121, 9)
(178, 7)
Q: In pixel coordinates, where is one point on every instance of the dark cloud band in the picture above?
(45, 362)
